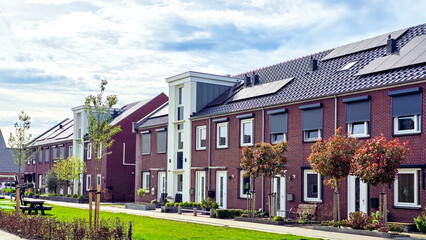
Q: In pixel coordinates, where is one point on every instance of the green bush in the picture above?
(359, 220)
(228, 213)
(420, 222)
(81, 197)
(170, 204)
(75, 195)
(141, 192)
(206, 203)
(215, 205)
(9, 191)
(68, 195)
(395, 228)
(153, 202)
(176, 205)
(278, 219)
(61, 195)
(51, 195)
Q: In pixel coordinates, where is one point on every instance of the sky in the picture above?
(53, 53)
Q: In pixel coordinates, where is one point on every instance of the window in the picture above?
(179, 182)
(407, 110)
(69, 151)
(34, 157)
(47, 155)
(54, 153)
(222, 135)
(99, 179)
(407, 191)
(40, 156)
(99, 154)
(311, 122)
(180, 104)
(247, 132)
(40, 181)
(62, 151)
(146, 181)
(357, 116)
(244, 185)
(278, 125)
(146, 143)
(311, 186)
(180, 140)
(89, 151)
(161, 141)
(88, 181)
(201, 138)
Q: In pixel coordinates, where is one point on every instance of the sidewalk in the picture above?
(300, 231)
(7, 236)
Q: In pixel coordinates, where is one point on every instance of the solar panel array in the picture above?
(363, 45)
(414, 52)
(260, 90)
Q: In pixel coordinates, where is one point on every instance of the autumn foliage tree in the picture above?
(377, 161)
(332, 159)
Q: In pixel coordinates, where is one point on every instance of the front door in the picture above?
(357, 195)
(161, 184)
(200, 186)
(221, 189)
(280, 190)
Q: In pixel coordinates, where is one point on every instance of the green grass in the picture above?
(153, 228)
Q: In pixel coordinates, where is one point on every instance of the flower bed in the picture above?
(140, 206)
(348, 230)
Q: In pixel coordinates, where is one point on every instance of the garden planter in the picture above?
(65, 199)
(357, 231)
(137, 206)
(169, 209)
(262, 220)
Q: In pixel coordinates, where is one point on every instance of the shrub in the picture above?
(51, 195)
(383, 229)
(344, 223)
(420, 222)
(244, 215)
(81, 197)
(375, 217)
(228, 213)
(75, 195)
(170, 204)
(358, 220)
(68, 195)
(372, 226)
(61, 195)
(395, 228)
(141, 192)
(304, 216)
(215, 205)
(176, 205)
(278, 219)
(206, 203)
(154, 202)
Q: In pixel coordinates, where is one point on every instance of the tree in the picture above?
(100, 130)
(332, 159)
(377, 161)
(17, 142)
(69, 170)
(51, 181)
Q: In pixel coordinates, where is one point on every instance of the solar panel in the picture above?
(414, 52)
(363, 45)
(260, 90)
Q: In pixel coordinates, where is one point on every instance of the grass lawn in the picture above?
(153, 228)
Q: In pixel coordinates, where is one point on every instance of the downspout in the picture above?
(335, 113)
(209, 154)
(263, 140)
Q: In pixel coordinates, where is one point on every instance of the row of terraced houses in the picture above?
(187, 146)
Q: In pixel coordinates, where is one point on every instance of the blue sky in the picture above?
(53, 53)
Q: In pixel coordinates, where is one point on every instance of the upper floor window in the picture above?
(407, 110)
(407, 190)
(69, 151)
(62, 151)
(311, 122)
(47, 155)
(247, 132)
(146, 142)
(34, 156)
(40, 156)
(180, 104)
(222, 135)
(180, 139)
(54, 153)
(201, 138)
(89, 151)
(278, 125)
(88, 181)
(161, 140)
(99, 153)
(311, 186)
(357, 115)
(99, 179)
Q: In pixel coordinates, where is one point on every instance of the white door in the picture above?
(161, 184)
(222, 189)
(357, 195)
(200, 186)
(280, 190)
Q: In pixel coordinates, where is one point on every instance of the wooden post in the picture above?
(179, 210)
(98, 207)
(17, 199)
(195, 211)
(90, 205)
(211, 213)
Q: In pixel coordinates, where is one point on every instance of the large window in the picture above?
(278, 125)
(161, 140)
(180, 104)
(311, 186)
(179, 182)
(407, 191)
(146, 182)
(40, 156)
(88, 181)
(407, 110)
(311, 122)
(89, 151)
(47, 155)
(201, 138)
(99, 153)
(62, 151)
(244, 185)
(246, 132)
(357, 116)
(222, 135)
(54, 153)
(146, 143)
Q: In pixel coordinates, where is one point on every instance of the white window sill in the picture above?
(312, 200)
(406, 132)
(143, 154)
(407, 205)
(222, 146)
(247, 145)
(359, 136)
(310, 140)
(200, 149)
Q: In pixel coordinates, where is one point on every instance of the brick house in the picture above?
(370, 87)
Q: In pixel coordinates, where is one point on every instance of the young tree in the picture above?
(332, 159)
(69, 170)
(17, 142)
(377, 161)
(51, 181)
(99, 116)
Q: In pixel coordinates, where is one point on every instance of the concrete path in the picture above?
(7, 236)
(300, 231)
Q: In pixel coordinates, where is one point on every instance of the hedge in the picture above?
(228, 213)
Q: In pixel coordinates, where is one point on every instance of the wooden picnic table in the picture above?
(34, 205)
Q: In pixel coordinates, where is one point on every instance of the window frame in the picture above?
(89, 151)
(99, 153)
(416, 203)
(180, 108)
(99, 179)
(305, 186)
(144, 182)
(306, 139)
(417, 125)
(275, 142)
(218, 126)
(242, 195)
(149, 144)
(165, 142)
(88, 176)
(366, 130)
(47, 155)
(70, 151)
(198, 136)
(242, 122)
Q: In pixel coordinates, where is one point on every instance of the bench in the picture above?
(309, 209)
(195, 211)
(28, 209)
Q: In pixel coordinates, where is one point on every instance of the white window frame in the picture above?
(69, 151)
(146, 184)
(417, 125)
(415, 204)
(284, 138)
(88, 183)
(99, 180)
(305, 186)
(251, 121)
(179, 104)
(99, 153)
(242, 195)
(89, 151)
(218, 126)
(199, 135)
(306, 139)
(366, 133)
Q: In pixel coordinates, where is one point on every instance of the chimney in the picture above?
(314, 64)
(391, 46)
(247, 82)
(255, 79)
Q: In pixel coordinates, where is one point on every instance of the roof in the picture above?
(61, 132)
(129, 109)
(157, 117)
(7, 163)
(327, 80)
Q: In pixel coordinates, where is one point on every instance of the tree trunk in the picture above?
(336, 202)
(385, 210)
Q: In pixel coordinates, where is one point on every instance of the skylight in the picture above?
(348, 66)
